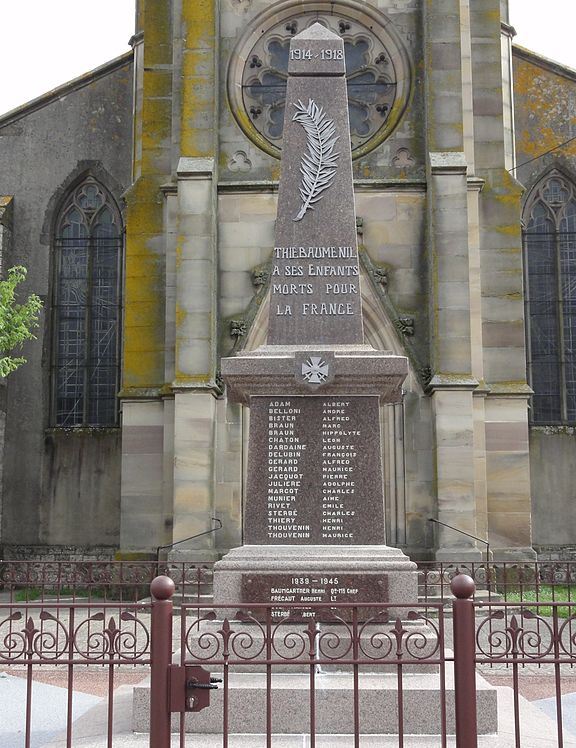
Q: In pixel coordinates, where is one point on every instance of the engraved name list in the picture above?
(318, 456)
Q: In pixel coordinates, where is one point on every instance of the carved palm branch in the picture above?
(319, 165)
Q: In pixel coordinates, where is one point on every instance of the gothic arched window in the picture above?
(550, 252)
(86, 308)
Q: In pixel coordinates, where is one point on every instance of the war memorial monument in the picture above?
(314, 510)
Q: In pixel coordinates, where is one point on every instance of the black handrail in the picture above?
(192, 537)
(469, 535)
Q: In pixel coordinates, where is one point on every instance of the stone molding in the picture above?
(359, 370)
(195, 168)
(453, 382)
(447, 162)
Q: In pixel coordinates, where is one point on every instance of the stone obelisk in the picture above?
(314, 510)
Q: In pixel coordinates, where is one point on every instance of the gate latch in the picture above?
(190, 687)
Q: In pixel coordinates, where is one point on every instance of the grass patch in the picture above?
(546, 593)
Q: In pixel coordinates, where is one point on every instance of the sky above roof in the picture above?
(45, 44)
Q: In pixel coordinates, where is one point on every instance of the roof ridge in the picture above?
(72, 85)
(557, 67)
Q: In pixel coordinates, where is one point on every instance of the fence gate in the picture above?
(296, 670)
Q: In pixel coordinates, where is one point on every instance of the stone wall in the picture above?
(545, 117)
(553, 450)
(59, 487)
(59, 553)
(6, 225)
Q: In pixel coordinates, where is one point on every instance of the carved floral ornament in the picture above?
(378, 71)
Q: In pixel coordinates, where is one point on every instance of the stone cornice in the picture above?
(195, 168)
(452, 382)
(447, 162)
(508, 30)
(360, 185)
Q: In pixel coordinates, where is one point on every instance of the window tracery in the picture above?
(86, 308)
(550, 266)
(377, 71)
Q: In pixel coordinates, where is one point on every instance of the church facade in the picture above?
(142, 199)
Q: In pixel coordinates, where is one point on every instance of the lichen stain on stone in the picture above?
(198, 84)
(144, 322)
(143, 327)
(510, 229)
(541, 103)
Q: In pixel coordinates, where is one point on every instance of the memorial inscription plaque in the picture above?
(311, 472)
(316, 588)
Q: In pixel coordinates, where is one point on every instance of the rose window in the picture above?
(377, 72)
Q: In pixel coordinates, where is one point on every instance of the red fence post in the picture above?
(463, 589)
(162, 589)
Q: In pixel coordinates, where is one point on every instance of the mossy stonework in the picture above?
(444, 161)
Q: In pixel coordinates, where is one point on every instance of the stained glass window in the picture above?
(86, 309)
(550, 252)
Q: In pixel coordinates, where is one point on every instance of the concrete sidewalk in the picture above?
(537, 731)
(49, 711)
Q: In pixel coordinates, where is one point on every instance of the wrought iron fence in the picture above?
(379, 671)
(516, 640)
(114, 581)
(314, 671)
(40, 638)
(553, 581)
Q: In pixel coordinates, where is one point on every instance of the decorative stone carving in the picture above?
(380, 275)
(426, 374)
(241, 6)
(219, 381)
(319, 163)
(260, 277)
(238, 328)
(403, 159)
(314, 369)
(240, 162)
(405, 325)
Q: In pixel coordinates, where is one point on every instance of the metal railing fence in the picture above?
(39, 639)
(506, 581)
(375, 651)
(112, 581)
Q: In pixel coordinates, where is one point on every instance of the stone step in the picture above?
(436, 595)
(377, 699)
(206, 600)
